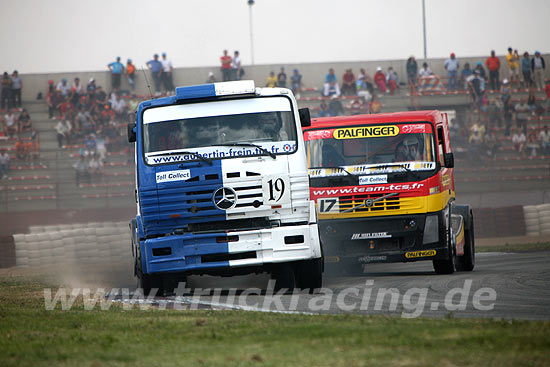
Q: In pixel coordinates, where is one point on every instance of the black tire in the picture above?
(149, 282)
(467, 261)
(284, 277)
(309, 274)
(446, 266)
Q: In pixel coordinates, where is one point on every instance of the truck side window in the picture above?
(440, 144)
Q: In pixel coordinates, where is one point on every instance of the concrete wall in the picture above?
(313, 73)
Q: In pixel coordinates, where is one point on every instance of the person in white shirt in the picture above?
(4, 163)
(62, 129)
(519, 140)
(63, 87)
(167, 69)
(11, 125)
(544, 139)
(77, 86)
(119, 106)
(236, 66)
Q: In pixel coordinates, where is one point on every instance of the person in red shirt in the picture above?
(348, 84)
(493, 64)
(226, 66)
(380, 80)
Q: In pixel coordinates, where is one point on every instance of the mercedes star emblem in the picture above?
(224, 198)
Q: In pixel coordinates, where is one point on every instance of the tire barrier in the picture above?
(74, 244)
(7, 252)
(537, 220)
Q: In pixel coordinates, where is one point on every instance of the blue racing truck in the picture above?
(222, 187)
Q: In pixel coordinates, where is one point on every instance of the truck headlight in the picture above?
(431, 229)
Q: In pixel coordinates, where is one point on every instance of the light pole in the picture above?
(424, 26)
(250, 3)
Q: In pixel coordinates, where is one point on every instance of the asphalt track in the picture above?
(517, 286)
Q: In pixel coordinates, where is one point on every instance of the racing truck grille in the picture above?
(198, 202)
(351, 201)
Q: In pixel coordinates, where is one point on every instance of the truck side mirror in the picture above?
(305, 117)
(131, 132)
(449, 160)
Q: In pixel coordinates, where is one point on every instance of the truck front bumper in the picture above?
(384, 239)
(200, 253)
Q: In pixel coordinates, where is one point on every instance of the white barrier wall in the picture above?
(91, 243)
(537, 220)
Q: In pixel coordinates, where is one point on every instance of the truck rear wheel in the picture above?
(467, 261)
(309, 274)
(446, 266)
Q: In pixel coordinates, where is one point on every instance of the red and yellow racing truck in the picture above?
(384, 189)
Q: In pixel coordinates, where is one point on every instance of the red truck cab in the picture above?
(384, 189)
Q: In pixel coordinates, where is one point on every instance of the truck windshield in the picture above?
(215, 129)
(371, 146)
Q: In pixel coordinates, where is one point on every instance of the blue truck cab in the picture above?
(222, 187)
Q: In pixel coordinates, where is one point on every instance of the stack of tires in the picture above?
(91, 243)
(537, 220)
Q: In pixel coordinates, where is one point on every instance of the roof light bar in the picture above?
(216, 89)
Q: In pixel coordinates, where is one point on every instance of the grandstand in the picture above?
(43, 191)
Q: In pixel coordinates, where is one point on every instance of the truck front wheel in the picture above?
(148, 282)
(283, 275)
(309, 274)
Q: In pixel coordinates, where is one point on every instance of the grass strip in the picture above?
(33, 336)
(518, 247)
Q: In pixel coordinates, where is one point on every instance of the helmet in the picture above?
(410, 140)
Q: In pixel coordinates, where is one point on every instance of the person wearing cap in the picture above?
(91, 87)
(380, 80)
(211, 78)
(512, 59)
(167, 70)
(226, 60)
(537, 68)
(16, 87)
(6, 84)
(335, 107)
(131, 74)
(116, 69)
(63, 87)
(156, 71)
(493, 65)
(476, 85)
(452, 65)
(296, 82)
